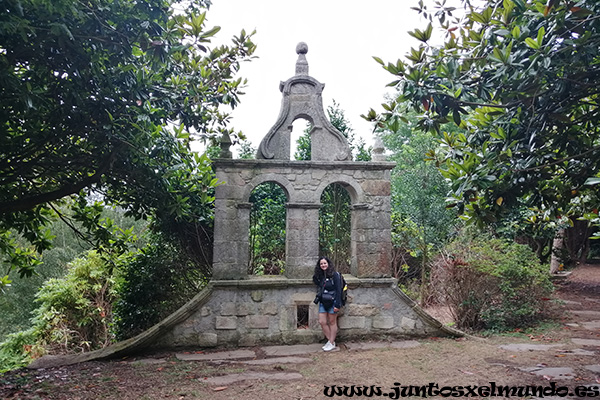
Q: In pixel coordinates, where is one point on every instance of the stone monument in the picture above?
(236, 309)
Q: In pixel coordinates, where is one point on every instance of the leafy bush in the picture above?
(491, 283)
(74, 314)
(17, 350)
(152, 284)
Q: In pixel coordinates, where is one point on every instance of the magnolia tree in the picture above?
(521, 79)
(104, 96)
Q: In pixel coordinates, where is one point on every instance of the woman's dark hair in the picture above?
(330, 269)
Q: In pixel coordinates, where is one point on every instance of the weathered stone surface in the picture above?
(383, 322)
(559, 373)
(352, 322)
(244, 309)
(362, 309)
(268, 308)
(226, 323)
(585, 313)
(257, 321)
(528, 347)
(408, 323)
(278, 361)
(208, 340)
(579, 352)
(219, 355)
(293, 350)
(403, 344)
(249, 340)
(228, 309)
(257, 295)
(586, 342)
(591, 325)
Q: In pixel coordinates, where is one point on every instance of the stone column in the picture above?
(372, 234)
(302, 240)
(231, 246)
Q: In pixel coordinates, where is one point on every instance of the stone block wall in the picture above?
(266, 311)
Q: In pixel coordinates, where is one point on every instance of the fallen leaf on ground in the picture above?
(219, 389)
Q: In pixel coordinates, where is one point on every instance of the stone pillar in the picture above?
(231, 245)
(302, 240)
(372, 235)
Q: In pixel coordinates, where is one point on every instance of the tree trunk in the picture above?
(557, 248)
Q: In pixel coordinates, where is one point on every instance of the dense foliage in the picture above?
(521, 78)
(74, 313)
(105, 96)
(491, 283)
(151, 284)
(421, 223)
(267, 229)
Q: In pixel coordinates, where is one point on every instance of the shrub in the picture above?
(74, 314)
(17, 350)
(491, 284)
(152, 284)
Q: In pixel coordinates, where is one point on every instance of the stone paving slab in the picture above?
(234, 378)
(404, 344)
(585, 313)
(294, 350)
(278, 360)
(563, 373)
(528, 347)
(586, 342)
(578, 352)
(150, 361)
(593, 368)
(591, 325)
(219, 355)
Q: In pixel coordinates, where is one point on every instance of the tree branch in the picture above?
(585, 153)
(32, 201)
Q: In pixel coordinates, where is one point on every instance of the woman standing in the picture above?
(329, 298)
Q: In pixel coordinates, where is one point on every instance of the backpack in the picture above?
(344, 289)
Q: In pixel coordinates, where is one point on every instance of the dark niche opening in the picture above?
(302, 316)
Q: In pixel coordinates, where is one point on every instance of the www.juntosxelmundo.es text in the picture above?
(434, 390)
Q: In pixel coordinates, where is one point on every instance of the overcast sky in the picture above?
(342, 38)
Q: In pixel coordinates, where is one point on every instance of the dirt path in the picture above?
(566, 352)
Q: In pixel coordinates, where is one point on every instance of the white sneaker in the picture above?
(326, 345)
(329, 346)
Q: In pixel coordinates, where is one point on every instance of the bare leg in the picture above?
(333, 327)
(324, 325)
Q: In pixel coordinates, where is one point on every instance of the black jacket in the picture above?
(333, 284)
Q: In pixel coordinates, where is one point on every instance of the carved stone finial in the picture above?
(225, 144)
(378, 150)
(301, 48)
(301, 64)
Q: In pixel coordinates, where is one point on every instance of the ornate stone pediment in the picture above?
(302, 99)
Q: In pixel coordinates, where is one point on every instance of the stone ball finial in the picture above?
(301, 48)
(302, 64)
